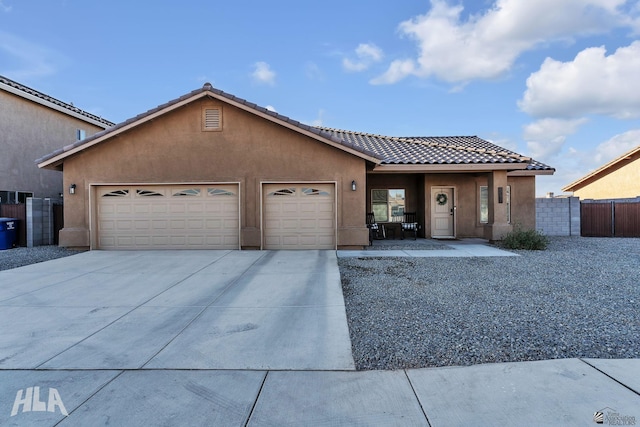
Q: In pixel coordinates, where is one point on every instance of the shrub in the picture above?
(531, 240)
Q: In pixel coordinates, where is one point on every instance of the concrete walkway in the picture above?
(427, 248)
(249, 338)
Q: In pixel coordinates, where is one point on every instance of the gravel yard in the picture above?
(579, 298)
(18, 257)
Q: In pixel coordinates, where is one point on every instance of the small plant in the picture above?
(531, 240)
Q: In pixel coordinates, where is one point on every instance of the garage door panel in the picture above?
(175, 217)
(299, 216)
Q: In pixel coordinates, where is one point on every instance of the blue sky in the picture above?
(558, 80)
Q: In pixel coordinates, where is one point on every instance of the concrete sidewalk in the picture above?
(557, 392)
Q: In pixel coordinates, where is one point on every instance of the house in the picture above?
(33, 124)
(618, 179)
(210, 170)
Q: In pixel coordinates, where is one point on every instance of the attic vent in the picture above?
(212, 119)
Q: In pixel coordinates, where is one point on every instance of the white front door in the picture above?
(442, 212)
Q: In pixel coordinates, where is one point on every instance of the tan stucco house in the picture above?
(618, 179)
(210, 170)
(33, 124)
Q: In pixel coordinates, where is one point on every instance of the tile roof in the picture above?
(22, 89)
(454, 150)
(421, 150)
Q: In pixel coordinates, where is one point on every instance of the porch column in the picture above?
(497, 226)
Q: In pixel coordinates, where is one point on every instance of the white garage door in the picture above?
(168, 217)
(299, 216)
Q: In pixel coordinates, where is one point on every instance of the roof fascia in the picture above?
(293, 127)
(55, 161)
(52, 106)
(444, 168)
(531, 172)
(601, 171)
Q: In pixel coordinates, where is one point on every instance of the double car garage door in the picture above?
(207, 216)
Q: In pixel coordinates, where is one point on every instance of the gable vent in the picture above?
(212, 119)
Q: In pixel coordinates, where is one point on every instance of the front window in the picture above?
(484, 204)
(388, 205)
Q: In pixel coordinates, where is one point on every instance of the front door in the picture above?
(442, 213)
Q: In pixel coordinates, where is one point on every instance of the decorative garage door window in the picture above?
(314, 192)
(283, 192)
(148, 193)
(188, 192)
(117, 193)
(220, 192)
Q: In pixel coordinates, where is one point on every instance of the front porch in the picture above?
(452, 205)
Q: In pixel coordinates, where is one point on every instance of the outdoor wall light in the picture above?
(353, 185)
(72, 189)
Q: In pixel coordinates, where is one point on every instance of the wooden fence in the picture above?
(58, 221)
(17, 211)
(609, 219)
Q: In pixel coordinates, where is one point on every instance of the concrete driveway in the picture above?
(176, 310)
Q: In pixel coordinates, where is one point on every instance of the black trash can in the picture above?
(8, 232)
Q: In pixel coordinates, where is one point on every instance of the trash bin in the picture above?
(8, 232)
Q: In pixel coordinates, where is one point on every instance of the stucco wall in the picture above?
(249, 150)
(29, 131)
(466, 198)
(622, 182)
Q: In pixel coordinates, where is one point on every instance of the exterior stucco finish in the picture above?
(466, 198)
(248, 150)
(28, 131)
(620, 182)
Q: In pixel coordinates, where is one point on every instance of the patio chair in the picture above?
(376, 231)
(410, 224)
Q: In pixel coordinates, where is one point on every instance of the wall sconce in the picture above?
(353, 185)
(72, 189)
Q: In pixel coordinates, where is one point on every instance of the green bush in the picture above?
(531, 240)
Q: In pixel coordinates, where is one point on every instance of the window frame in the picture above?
(484, 210)
(392, 212)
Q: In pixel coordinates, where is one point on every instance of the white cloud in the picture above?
(313, 71)
(592, 83)
(545, 138)
(319, 121)
(27, 59)
(615, 147)
(4, 7)
(367, 54)
(486, 45)
(271, 108)
(263, 74)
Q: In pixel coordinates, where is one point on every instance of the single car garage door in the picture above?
(168, 217)
(299, 216)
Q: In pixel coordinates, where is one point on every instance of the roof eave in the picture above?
(55, 161)
(532, 172)
(53, 106)
(449, 167)
(602, 170)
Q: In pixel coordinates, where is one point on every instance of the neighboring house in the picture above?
(33, 124)
(618, 179)
(210, 170)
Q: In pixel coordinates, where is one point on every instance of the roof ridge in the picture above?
(68, 106)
